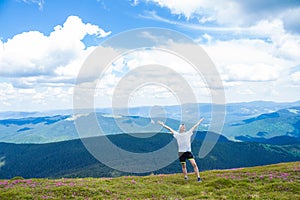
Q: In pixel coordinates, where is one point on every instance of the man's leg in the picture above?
(184, 171)
(194, 164)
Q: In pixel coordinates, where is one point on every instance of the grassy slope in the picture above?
(280, 181)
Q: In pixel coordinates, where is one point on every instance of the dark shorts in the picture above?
(185, 155)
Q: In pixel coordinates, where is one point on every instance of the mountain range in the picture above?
(39, 144)
(266, 122)
(72, 159)
(284, 124)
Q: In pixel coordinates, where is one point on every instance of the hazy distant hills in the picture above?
(260, 121)
(37, 129)
(282, 125)
(71, 158)
(62, 127)
(234, 111)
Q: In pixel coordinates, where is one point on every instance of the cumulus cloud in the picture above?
(186, 8)
(42, 98)
(41, 69)
(38, 69)
(218, 11)
(257, 68)
(268, 58)
(6, 93)
(251, 69)
(234, 13)
(166, 70)
(33, 54)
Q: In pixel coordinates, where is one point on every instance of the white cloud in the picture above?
(40, 3)
(206, 11)
(248, 41)
(260, 66)
(186, 8)
(253, 59)
(71, 69)
(155, 95)
(296, 77)
(20, 55)
(134, 2)
(130, 67)
(6, 92)
(235, 13)
(44, 67)
(27, 99)
(256, 72)
(39, 70)
(31, 54)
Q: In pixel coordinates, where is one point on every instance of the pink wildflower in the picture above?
(58, 184)
(261, 176)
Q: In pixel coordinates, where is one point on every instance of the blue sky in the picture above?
(255, 45)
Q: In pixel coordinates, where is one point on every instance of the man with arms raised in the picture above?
(183, 138)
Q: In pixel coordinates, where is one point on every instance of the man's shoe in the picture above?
(199, 179)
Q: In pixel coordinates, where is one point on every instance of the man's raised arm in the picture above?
(197, 124)
(165, 126)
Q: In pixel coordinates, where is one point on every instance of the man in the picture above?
(183, 138)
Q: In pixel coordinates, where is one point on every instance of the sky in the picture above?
(254, 45)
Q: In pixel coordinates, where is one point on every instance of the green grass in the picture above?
(280, 181)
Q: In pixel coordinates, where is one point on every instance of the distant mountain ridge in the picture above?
(246, 109)
(62, 127)
(71, 158)
(283, 124)
(254, 121)
(277, 140)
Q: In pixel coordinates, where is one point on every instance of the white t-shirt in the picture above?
(183, 140)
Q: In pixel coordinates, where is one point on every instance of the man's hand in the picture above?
(201, 119)
(160, 123)
(165, 126)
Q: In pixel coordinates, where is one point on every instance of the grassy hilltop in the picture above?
(279, 181)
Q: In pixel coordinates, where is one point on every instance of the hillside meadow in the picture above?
(279, 181)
